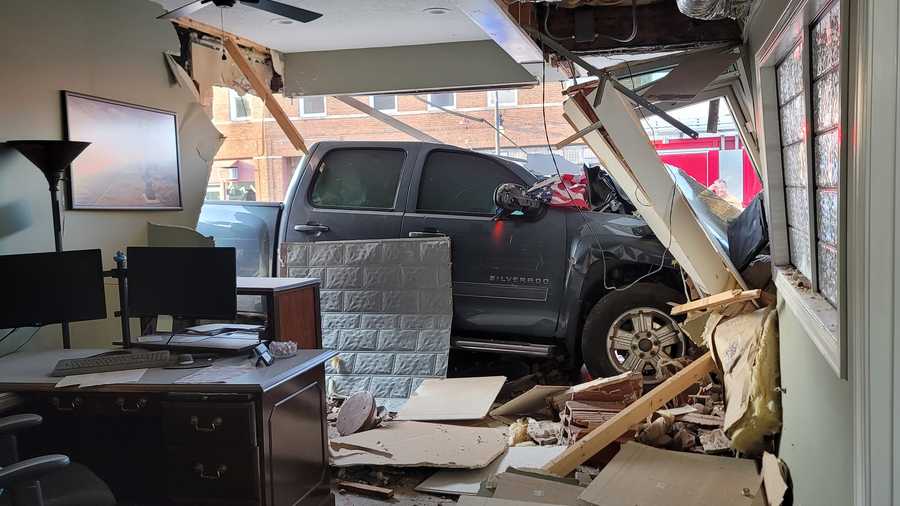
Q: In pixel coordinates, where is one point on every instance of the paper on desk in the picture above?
(216, 374)
(102, 378)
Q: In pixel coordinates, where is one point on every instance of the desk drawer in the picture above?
(197, 476)
(209, 424)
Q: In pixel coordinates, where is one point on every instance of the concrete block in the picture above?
(331, 301)
(347, 385)
(414, 384)
(366, 301)
(435, 252)
(435, 301)
(390, 386)
(419, 277)
(373, 363)
(359, 339)
(296, 254)
(417, 322)
(414, 364)
(362, 253)
(343, 278)
(316, 272)
(330, 339)
(332, 321)
(401, 301)
(444, 276)
(434, 340)
(378, 321)
(398, 340)
(443, 321)
(401, 252)
(341, 364)
(440, 365)
(386, 277)
(326, 254)
(298, 272)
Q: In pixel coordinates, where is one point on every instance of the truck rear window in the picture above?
(358, 179)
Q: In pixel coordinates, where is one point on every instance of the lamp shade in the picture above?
(51, 157)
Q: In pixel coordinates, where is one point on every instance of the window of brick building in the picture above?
(312, 107)
(437, 100)
(507, 98)
(239, 106)
(384, 103)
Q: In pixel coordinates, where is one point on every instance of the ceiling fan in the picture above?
(277, 8)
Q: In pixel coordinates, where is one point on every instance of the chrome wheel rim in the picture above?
(644, 340)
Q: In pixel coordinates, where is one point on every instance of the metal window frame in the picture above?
(232, 106)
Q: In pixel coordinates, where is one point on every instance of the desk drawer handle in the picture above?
(215, 424)
(138, 405)
(201, 471)
(74, 404)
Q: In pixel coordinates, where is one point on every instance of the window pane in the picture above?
(797, 201)
(311, 106)
(442, 99)
(240, 105)
(472, 179)
(826, 41)
(358, 178)
(792, 121)
(506, 97)
(795, 168)
(800, 253)
(790, 76)
(385, 102)
(826, 114)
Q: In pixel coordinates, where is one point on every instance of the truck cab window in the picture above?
(461, 183)
(358, 179)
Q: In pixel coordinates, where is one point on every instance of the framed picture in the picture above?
(132, 162)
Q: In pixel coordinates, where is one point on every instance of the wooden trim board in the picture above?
(717, 300)
(633, 414)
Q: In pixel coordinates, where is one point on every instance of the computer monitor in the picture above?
(182, 282)
(45, 288)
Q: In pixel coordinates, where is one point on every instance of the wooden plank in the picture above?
(633, 414)
(364, 488)
(197, 26)
(717, 300)
(262, 89)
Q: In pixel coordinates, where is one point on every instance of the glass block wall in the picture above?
(792, 112)
(826, 113)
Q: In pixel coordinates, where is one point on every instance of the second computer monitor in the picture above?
(183, 282)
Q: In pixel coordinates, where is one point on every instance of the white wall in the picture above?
(111, 49)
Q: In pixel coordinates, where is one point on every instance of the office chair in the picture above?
(48, 480)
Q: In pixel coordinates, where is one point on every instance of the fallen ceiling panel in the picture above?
(626, 153)
(402, 69)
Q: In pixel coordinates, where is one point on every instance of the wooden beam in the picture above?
(365, 488)
(386, 119)
(577, 135)
(635, 413)
(262, 89)
(218, 33)
(717, 300)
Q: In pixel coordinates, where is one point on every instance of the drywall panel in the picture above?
(107, 49)
(457, 65)
(816, 416)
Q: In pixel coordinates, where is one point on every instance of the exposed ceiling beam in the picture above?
(218, 33)
(660, 27)
(263, 91)
(386, 119)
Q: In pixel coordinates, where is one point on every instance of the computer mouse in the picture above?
(185, 359)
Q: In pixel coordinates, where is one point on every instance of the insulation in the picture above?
(715, 9)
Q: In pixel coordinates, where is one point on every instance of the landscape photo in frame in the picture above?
(132, 162)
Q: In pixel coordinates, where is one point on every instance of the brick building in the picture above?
(257, 157)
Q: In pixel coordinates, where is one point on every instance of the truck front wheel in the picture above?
(631, 330)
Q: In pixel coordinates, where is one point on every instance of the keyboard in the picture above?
(113, 362)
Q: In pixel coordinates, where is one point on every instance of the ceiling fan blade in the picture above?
(184, 10)
(284, 10)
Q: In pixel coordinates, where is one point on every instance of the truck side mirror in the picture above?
(512, 200)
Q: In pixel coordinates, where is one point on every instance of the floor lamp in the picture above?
(52, 158)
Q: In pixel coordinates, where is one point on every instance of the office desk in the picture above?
(292, 308)
(258, 439)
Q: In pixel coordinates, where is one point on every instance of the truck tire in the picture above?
(631, 330)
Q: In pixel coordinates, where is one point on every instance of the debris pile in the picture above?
(691, 439)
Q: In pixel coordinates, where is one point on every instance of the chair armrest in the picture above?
(31, 469)
(16, 423)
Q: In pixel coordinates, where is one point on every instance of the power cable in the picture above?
(599, 35)
(471, 118)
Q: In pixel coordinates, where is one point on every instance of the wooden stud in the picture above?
(364, 488)
(633, 414)
(717, 300)
(262, 89)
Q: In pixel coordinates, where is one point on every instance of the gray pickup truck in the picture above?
(596, 284)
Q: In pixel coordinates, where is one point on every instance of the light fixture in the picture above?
(281, 21)
(436, 10)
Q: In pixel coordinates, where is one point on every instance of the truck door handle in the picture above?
(311, 228)
(428, 232)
